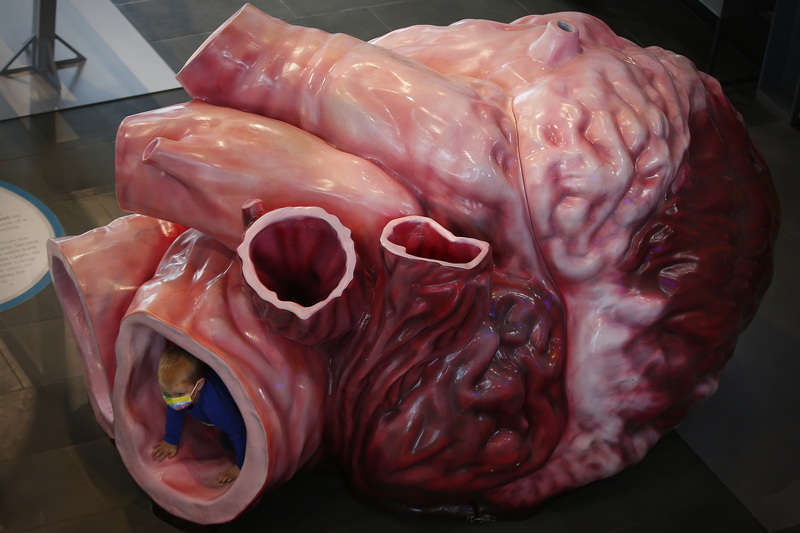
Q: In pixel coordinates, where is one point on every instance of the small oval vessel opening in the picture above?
(422, 239)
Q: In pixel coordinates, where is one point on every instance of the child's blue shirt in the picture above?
(216, 407)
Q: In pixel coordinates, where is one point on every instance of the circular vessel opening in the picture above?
(299, 258)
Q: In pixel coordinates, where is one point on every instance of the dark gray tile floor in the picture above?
(731, 467)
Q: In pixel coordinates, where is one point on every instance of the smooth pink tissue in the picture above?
(96, 275)
(475, 266)
(197, 300)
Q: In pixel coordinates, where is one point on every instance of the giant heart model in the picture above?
(475, 266)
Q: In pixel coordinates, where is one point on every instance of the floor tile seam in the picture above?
(70, 451)
(26, 389)
(335, 12)
(289, 20)
(54, 201)
(380, 20)
(58, 150)
(707, 24)
(111, 216)
(36, 455)
(288, 7)
(790, 235)
(39, 380)
(80, 194)
(367, 9)
(388, 3)
(204, 34)
(712, 505)
(727, 490)
(3, 350)
(25, 385)
(28, 385)
(524, 8)
(6, 328)
(129, 2)
(66, 522)
(356, 8)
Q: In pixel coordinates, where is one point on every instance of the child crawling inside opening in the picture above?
(189, 386)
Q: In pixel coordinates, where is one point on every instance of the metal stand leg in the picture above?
(42, 45)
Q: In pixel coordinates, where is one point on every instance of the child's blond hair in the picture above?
(176, 365)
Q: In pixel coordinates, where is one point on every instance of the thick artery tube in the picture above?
(302, 264)
(445, 140)
(95, 276)
(197, 164)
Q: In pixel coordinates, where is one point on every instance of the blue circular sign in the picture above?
(25, 225)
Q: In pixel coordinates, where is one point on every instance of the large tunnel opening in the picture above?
(191, 474)
(199, 302)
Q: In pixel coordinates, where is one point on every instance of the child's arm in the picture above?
(168, 447)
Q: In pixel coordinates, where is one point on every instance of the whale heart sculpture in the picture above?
(475, 265)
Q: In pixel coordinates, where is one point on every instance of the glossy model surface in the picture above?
(475, 265)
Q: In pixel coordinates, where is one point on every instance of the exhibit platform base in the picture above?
(119, 62)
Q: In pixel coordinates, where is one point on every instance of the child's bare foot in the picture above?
(228, 475)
